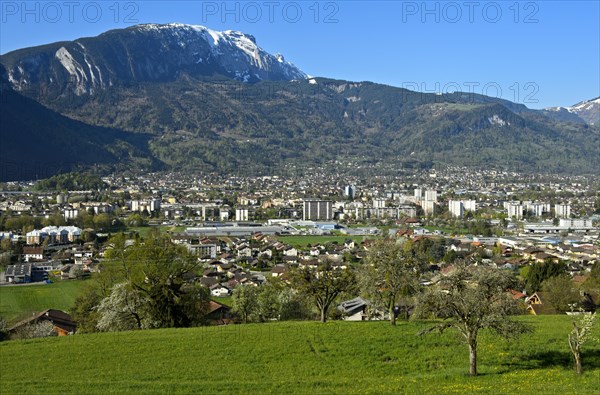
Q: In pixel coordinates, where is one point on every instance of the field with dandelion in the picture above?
(298, 358)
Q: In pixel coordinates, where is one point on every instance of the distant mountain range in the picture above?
(186, 97)
(587, 111)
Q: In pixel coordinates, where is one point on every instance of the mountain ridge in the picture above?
(214, 119)
(586, 111)
(146, 52)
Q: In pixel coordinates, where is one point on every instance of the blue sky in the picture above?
(539, 53)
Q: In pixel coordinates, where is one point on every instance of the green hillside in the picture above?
(296, 357)
(19, 302)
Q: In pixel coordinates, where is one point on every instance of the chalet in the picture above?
(241, 277)
(530, 252)
(208, 281)
(312, 263)
(291, 251)
(33, 253)
(81, 256)
(218, 313)
(214, 263)
(279, 246)
(349, 244)
(278, 271)
(543, 257)
(212, 272)
(290, 259)
(257, 279)
(223, 267)
(266, 251)
(245, 251)
(537, 306)
(62, 322)
(219, 290)
(227, 258)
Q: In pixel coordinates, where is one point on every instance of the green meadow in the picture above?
(18, 302)
(298, 358)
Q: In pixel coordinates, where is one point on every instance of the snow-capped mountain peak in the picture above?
(228, 46)
(587, 111)
(147, 52)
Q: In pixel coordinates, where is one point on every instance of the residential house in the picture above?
(31, 253)
(218, 313)
(537, 305)
(62, 322)
(278, 271)
(219, 290)
(18, 274)
(290, 251)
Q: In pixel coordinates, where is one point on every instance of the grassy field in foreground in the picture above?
(297, 358)
(304, 241)
(18, 302)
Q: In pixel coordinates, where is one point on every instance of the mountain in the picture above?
(37, 142)
(587, 111)
(142, 53)
(177, 112)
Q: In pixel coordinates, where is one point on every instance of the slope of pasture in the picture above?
(19, 301)
(297, 358)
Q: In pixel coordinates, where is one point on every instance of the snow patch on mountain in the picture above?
(232, 48)
(143, 53)
(587, 111)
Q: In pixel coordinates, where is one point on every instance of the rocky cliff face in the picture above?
(142, 53)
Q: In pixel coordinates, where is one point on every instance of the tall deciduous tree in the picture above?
(541, 271)
(158, 272)
(471, 299)
(245, 301)
(390, 273)
(322, 284)
(153, 272)
(269, 306)
(122, 310)
(561, 293)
